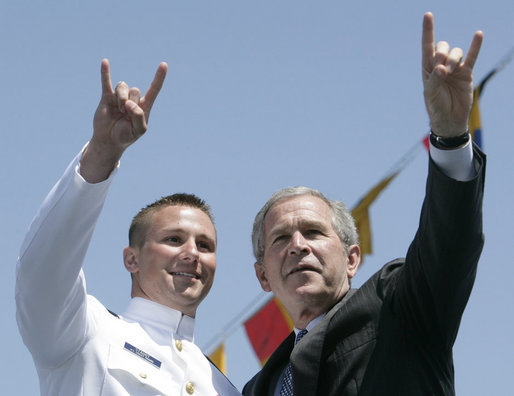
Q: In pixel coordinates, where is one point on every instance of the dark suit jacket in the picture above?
(394, 335)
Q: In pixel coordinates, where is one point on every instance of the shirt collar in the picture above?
(311, 324)
(160, 318)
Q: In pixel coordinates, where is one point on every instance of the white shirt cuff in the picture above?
(456, 163)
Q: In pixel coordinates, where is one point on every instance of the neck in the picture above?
(307, 311)
(302, 318)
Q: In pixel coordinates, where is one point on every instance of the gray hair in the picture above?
(342, 220)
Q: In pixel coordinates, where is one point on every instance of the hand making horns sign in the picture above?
(120, 119)
(447, 81)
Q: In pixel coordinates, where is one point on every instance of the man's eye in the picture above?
(280, 238)
(204, 246)
(173, 239)
(313, 232)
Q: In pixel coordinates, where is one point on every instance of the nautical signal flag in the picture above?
(218, 357)
(361, 214)
(267, 328)
(475, 125)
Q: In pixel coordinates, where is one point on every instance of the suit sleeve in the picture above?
(429, 293)
(50, 288)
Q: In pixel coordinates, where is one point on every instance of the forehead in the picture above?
(182, 217)
(298, 210)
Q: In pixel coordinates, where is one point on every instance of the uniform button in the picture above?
(190, 388)
(143, 375)
(178, 344)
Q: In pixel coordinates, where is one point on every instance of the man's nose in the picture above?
(190, 250)
(298, 244)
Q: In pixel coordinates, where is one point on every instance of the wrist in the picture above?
(449, 143)
(105, 151)
(98, 161)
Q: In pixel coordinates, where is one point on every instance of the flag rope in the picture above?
(236, 321)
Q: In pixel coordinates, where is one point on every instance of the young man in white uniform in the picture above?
(78, 346)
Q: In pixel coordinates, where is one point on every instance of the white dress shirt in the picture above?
(78, 346)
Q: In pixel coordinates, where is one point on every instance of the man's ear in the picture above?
(354, 260)
(130, 259)
(260, 272)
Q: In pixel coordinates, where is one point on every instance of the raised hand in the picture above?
(120, 119)
(447, 81)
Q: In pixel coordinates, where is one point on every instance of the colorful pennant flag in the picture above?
(218, 357)
(474, 119)
(267, 328)
(475, 125)
(361, 214)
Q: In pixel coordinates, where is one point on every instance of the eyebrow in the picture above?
(183, 231)
(301, 224)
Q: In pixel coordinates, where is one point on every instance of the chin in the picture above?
(309, 291)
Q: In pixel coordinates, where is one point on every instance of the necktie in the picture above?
(287, 384)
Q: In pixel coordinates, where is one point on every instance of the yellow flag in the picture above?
(219, 359)
(361, 215)
(475, 127)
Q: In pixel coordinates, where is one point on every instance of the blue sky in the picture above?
(259, 95)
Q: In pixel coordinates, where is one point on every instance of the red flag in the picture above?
(267, 328)
(426, 142)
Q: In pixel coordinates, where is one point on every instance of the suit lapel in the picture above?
(267, 379)
(306, 356)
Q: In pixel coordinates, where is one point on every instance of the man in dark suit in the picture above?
(394, 335)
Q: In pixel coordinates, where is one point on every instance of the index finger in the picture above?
(427, 41)
(106, 77)
(155, 86)
(474, 49)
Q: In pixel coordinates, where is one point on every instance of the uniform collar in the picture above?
(160, 318)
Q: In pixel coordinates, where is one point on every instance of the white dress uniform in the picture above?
(78, 346)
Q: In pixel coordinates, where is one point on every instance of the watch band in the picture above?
(448, 143)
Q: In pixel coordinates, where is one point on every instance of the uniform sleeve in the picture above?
(432, 289)
(50, 287)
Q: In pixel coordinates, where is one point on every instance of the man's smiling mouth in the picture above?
(186, 274)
